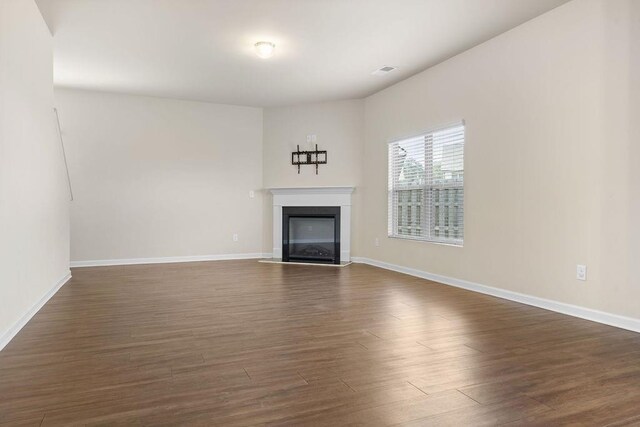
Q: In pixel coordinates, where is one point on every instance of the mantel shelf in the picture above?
(311, 190)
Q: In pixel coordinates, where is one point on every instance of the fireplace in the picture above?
(337, 199)
(311, 234)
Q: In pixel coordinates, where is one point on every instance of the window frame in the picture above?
(427, 205)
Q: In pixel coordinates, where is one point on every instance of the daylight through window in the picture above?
(426, 191)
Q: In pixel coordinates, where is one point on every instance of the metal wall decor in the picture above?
(308, 158)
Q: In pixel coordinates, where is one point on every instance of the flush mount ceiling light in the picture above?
(265, 49)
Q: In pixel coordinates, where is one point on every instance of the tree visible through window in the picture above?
(426, 191)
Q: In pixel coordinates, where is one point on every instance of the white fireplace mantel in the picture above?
(313, 196)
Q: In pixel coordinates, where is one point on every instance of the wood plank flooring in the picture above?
(240, 343)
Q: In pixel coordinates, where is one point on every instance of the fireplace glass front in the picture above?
(311, 234)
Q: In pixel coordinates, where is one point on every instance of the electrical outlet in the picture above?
(309, 138)
(252, 194)
(314, 137)
(377, 242)
(581, 272)
(235, 237)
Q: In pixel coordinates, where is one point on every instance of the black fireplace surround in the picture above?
(311, 234)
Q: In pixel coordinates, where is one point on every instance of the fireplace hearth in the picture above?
(311, 234)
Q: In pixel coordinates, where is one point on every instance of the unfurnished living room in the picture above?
(320, 212)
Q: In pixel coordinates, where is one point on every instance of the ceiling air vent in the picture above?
(383, 71)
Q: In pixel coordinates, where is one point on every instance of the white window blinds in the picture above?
(426, 191)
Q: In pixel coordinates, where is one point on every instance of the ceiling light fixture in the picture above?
(265, 49)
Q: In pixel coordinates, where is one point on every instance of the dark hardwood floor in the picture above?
(243, 343)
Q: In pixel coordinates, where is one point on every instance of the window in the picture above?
(426, 191)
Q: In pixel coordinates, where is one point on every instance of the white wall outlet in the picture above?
(252, 194)
(309, 138)
(377, 242)
(581, 272)
(314, 137)
(235, 237)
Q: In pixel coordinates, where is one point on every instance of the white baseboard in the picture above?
(164, 260)
(629, 323)
(8, 335)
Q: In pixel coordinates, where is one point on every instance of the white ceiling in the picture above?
(325, 49)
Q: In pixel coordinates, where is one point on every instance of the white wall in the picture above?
(159, 178)
(339, 127)
(632, 99)
(552, 115)
(34, 210)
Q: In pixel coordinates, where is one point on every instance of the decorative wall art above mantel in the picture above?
(314, 157)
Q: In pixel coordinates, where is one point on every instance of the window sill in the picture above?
(435, 242)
